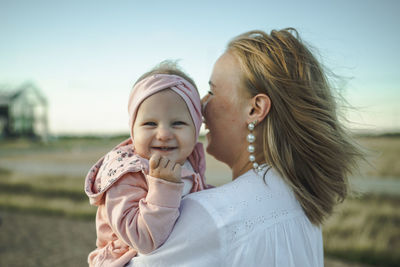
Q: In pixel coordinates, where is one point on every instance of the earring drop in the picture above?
(251, 138)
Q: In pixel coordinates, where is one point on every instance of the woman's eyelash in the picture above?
(210, 92)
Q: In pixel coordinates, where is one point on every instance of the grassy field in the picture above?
(45, 218)
(366, 230)
(383, 153)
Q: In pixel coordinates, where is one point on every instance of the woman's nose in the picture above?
(164, 133)
(204, 102)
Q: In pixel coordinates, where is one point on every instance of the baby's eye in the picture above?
(179, 123)
(149, 123)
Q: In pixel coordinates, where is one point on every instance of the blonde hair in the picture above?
(168, 67)
(303, 138)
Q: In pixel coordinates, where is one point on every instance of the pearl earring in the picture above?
(251, 138)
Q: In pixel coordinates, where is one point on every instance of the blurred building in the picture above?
(23, 112)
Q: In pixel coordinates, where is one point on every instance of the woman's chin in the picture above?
(208, 136)
(209, 145)
(210, 148)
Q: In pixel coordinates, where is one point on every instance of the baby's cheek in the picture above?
(189, 149)
(142, 151)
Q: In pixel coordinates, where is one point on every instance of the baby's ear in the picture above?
(260, 106)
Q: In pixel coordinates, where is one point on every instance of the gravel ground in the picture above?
(33, 240)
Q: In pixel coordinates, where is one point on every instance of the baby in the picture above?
(138, 186)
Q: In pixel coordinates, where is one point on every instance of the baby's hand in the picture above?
(161, 167)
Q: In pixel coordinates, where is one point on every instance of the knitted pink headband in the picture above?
(158, 82)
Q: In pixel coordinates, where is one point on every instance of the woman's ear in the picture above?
(260, 107)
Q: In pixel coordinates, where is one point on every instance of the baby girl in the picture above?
(138, 186)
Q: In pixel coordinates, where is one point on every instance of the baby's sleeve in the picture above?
(143, 214)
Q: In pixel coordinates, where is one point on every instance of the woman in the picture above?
(272, 119)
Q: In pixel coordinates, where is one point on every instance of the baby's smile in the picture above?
(164, 148)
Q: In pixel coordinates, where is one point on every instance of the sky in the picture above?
(86, 55)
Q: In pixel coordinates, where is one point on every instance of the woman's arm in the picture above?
(143, 214)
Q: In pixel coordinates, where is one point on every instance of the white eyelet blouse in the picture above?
(247, 222)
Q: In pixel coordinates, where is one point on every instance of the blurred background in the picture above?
(66, 70)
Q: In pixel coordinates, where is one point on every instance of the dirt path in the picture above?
(32, 240)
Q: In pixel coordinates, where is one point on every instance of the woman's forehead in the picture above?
(226, 72)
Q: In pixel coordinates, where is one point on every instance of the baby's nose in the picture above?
(164, 133)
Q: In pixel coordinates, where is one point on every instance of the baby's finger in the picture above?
(177, 170)
(164, 162)
(154, 161)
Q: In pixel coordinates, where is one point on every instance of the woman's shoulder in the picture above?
(258, 210)
(266, 183)
(262, 195)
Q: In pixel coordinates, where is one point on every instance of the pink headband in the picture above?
(158, 82)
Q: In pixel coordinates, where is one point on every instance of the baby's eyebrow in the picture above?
(181, 118)
(211, 84)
